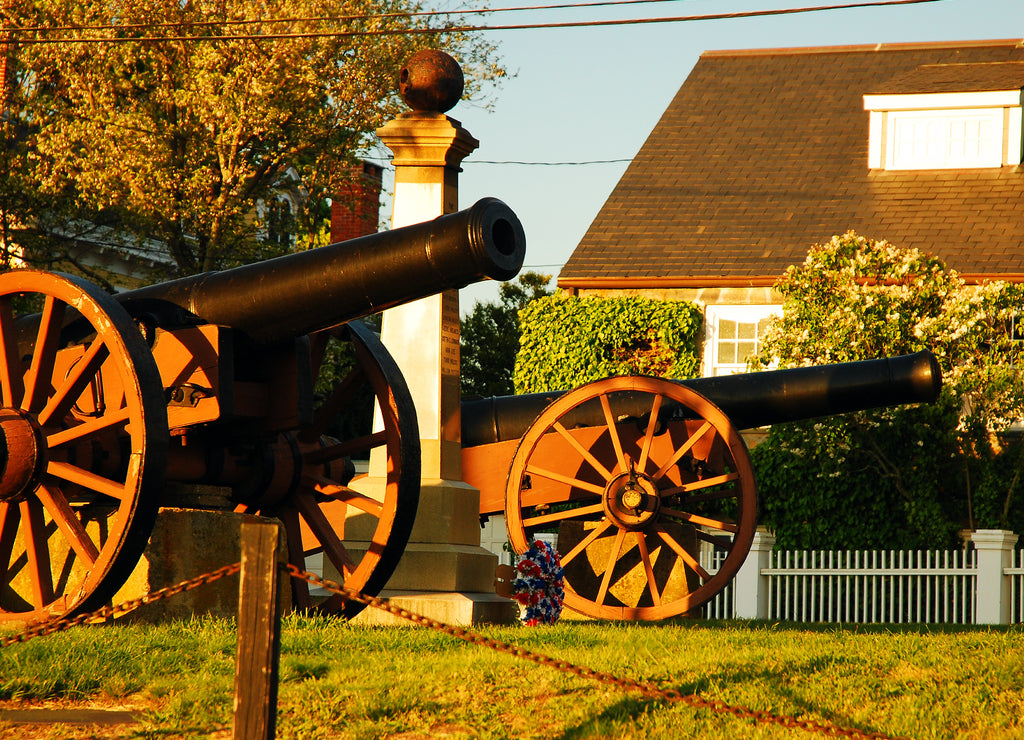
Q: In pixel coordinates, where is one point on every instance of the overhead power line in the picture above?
(546, 164)
(333, 18)
(385, 161)
(456, 28)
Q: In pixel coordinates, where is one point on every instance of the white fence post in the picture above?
(992, 597)
(750, 587)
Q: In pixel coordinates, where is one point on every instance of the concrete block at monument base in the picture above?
(461, 609)
(443, 572)
(185, 544)
(449, 512)
(430, 567)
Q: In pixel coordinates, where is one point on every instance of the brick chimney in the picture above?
(355, 210)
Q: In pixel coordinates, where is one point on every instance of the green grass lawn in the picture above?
(344, 681)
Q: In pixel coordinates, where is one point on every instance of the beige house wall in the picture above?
(715, 296)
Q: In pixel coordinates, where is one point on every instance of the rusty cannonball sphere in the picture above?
(431, 81)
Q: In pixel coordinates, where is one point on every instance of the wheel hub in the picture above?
(631, 500)
(22, 454)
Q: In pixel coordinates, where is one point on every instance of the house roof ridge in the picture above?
(670, 281)
(861, 48)
(762, 154)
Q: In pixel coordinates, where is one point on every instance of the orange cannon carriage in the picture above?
(113, 405)
(647, 482)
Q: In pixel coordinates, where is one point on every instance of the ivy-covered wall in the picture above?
(567, 341)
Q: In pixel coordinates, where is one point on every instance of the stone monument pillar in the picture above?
(444, 573)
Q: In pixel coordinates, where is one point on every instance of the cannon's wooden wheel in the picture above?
(635, 497)
(360, 527)
(85, 430)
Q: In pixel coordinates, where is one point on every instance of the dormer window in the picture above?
(923, 123)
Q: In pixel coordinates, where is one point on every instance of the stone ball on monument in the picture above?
(431, 81)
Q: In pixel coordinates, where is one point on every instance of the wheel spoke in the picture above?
(69, 524)
(83, 373)
(645, 558)
(348, 448)
(557, 516)
(345, 494)
(583, 544)
(293, 536)
(567, 480)
(701, 521)
(718, 480)
(325, 534)
(682, 553)
(9, 520)
(37, 552)
(613, 558)
(88, 428)
(613, 432)
(583, 451)
(652, 426)
(12, 382)
(333, 405)
(683, 449)
(41, 370)
(86, 479)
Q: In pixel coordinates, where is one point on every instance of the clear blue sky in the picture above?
(586, 94)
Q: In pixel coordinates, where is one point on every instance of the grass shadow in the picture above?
(604, 724)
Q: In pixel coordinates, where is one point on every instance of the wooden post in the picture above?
(259, 633)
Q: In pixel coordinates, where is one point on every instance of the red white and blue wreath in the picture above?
(539, 584)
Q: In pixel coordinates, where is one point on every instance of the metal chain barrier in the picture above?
(647, 689)
(110, 612)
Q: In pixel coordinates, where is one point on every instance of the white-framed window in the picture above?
(944, 131)
(922, 140)
(1016, 328)
(280, 222)
(734, 333)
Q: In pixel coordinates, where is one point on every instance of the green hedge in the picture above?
(883, 479)
(567, 341)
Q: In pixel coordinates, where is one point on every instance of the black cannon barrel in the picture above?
(308, 291)
(749, 400)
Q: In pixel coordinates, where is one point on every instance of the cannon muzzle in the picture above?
(749, 400)
(309, 291)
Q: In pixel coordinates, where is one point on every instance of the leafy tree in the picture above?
(490, 336)
(172, 120)
(901, 477)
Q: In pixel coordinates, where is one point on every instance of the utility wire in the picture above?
(472, 28)
(385, 161)
(546, 164)
(331, 18)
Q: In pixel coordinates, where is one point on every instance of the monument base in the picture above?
(443, 573)
(185, 544)
(460, 609)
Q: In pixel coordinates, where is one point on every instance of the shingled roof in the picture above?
(764, 153)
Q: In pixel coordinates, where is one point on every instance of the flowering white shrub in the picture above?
(855, 299)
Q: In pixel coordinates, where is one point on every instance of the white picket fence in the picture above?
(983, 584)
(1016, 575)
